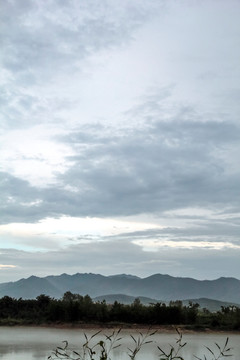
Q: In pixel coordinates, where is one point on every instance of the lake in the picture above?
(27, 343)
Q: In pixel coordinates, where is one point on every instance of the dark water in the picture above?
(27, 343)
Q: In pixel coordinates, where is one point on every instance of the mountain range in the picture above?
(161, 287)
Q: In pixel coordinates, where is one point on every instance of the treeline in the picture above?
(76, 308)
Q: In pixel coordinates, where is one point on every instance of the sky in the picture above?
(120, 138)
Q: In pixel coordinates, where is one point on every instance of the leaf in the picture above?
(210, 350)
(75, 352)
(133, 339)
(153, 333)
(162, 351)
(98, 332)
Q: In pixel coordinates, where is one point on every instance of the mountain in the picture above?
(157, 286)
(211, 305)
(124, 299)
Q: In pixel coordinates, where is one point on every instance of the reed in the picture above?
(93, 349)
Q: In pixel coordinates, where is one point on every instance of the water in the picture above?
(28, 343)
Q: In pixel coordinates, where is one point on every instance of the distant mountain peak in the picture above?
(127, 276)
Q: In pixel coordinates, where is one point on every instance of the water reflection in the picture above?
(27, 343)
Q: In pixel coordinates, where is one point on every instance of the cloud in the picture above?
(48, 43)
(111, 257)
(64, 32)
(162, 166)
(6, 266)
(212, 232)
(120, 111)
(19, 201)
(153, 245)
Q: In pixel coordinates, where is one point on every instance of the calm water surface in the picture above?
(27, 343)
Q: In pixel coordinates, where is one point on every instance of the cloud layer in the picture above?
(120, 120)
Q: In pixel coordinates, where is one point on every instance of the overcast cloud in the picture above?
(120, 138)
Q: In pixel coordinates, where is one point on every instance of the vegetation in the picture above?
(74, 308)
(102, 349)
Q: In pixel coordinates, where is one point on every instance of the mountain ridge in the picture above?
(155, 286)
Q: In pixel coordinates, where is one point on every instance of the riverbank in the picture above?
(166, 329)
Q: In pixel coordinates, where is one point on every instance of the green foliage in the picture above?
(102, 349)
(141, 340)
(89, 350)
(81, 309)
(174, 352)
(219, 353)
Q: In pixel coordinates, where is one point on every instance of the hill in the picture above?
(204, 303)
(124, 299)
